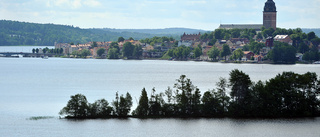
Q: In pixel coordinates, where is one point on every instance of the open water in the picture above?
(41, 87)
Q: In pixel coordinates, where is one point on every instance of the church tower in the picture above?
(270, 15)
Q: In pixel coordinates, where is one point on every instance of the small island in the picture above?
(288, 95)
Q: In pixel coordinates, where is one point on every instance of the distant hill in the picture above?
(166, 31)
(316, 31)
(23, 33)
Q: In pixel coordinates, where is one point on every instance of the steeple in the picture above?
(270, 6)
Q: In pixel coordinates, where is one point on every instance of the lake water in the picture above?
(41, 87)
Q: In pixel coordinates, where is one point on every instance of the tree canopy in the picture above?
(286, 95)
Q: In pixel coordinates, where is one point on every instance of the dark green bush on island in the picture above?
(287, 95)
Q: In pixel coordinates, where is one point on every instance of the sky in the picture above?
(159, 14)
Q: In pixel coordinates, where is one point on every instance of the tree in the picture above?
(123, 105)
(61, 51)
(239, 83)
(101, 51)
(218, 34)
(237, 54)
(33, 50)
(137, 51)
(77, 107)
(121, 39)
(311, 35)
(259, 36)
(186, 97)
(84, 53)
(222, 97)
(283, 53)
(37, 50)
(131, 38)
(100, 109)
(256, 47)
(225, 51)
(113, 53)
(208, 104)
(94, 44)
(127, 49)
(213, 53)
(303, 48)
(45, 50)
(143, 106)
(197, 52)
(156, 102)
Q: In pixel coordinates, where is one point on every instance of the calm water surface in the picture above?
(41, 87)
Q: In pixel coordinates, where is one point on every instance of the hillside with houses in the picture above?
(224, 45)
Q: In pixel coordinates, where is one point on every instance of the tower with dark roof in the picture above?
(270, 15)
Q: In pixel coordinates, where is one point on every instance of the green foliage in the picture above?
(127, 50)
(237, 54)
(197, 52)
(137, 51)
(225, 51)
(143, 106)
(94, 44)
(22, 33)
(122, 105)
(311, 35)
(84, 53)
(283, 53)
(77, 107)
(213, 53)
(100, 109)
(101, 51)
(187, 97)
(180, 53)
(121, 39)
(256, 47)
(156, 39)
(268, 32)
(131, 51)
(287, 95)
(239, 83)
(113, 53)
(312, 55)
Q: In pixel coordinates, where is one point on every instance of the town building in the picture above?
(270, 15)
(189, 39)
(283, 38)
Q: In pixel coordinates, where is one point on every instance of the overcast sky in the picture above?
(152, 14)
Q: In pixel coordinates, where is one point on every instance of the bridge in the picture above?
(25, 54)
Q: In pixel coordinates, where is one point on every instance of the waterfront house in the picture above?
(283, 38)
(248, 55)
(258, 58)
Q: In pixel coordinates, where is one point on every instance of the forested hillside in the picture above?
(166, 31)
(22, 33)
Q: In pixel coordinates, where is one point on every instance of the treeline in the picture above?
(22, 33)
(286, 95)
